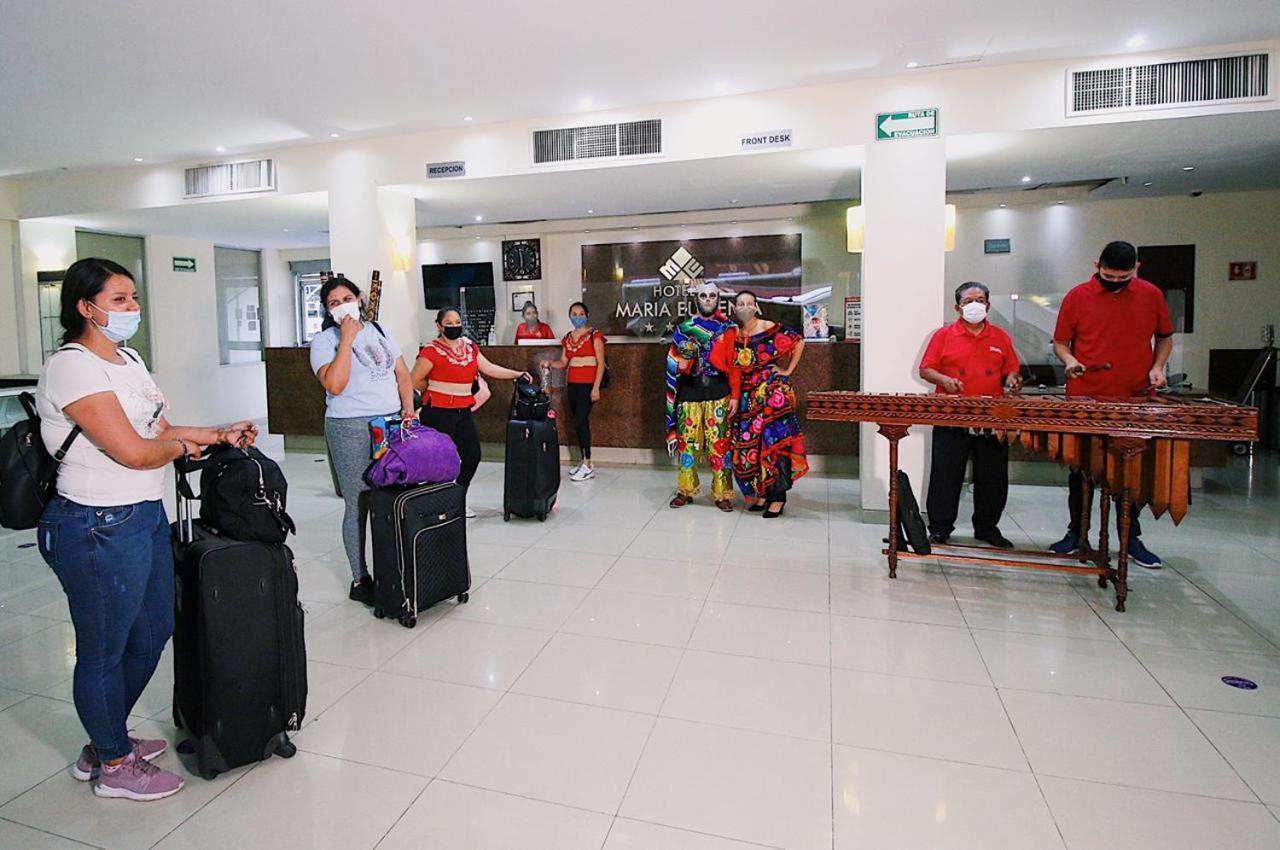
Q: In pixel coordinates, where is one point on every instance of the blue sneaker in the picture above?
(1067, 545)
(1142, 556)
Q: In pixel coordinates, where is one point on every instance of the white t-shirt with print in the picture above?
(87, 475)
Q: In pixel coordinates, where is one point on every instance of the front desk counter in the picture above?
(629, 415)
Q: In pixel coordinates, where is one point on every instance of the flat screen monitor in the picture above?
(442, 283)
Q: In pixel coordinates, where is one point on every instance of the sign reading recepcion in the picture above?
(908, 124)
(768, 140)
(441, 170)
(184, 264)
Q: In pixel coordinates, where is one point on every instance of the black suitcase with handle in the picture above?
(532, 474)
(239, 652)
(419, 549)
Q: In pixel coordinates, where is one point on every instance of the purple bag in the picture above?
(415, 455)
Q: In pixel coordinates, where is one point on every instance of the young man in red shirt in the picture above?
(1103, 337)
(969, 357)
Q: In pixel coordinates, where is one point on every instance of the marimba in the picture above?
(1135, 450)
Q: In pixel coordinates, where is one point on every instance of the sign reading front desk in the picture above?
(769, 140)
(910, 124)
(441, 170)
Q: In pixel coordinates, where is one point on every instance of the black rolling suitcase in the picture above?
(239, 656)
(419, 548)
(532, 475)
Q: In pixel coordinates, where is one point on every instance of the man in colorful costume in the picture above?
(700, 401)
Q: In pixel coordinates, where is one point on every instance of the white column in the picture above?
(368, 227)
(904, 200)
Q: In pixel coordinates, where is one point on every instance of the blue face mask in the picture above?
(578, 321)
(120, 324)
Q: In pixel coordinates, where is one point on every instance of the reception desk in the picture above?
(629, 415)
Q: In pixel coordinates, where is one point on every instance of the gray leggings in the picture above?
(348, 441)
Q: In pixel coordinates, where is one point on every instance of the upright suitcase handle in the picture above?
(186, 497)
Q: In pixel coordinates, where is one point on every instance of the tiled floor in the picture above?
(630, 677)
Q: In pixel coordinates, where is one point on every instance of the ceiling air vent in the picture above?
(230, 178)
(633, 138)
(1191, 82)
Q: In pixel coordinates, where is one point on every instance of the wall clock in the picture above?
(521, 259)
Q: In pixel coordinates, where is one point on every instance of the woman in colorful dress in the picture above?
(447, 374)
(768, 446)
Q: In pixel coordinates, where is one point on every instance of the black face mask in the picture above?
(453, 332)
(1112, 285)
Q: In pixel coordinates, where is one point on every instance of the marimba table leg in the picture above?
(1120, 578)
(1104, 534)
(893, 433)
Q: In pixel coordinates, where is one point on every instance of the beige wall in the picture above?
(10, 273)
(1054, 247)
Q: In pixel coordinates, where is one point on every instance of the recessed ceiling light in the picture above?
(479, 218)
(1026, 178)
(913, 64)
(1002, 206)
(335, 136)
(734, 201)
(733, 222)
(137, 159)
(790, 218)
(466, 118)
(633, 227)
(477, 237)
(591, 212)
(1060, 203)
(286, 230)
(220, 149)
(1148, 183)
(586, 231)
(1188, 168)
(1137, 41)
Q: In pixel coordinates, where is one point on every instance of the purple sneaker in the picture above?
(135, 778)
(86, 767)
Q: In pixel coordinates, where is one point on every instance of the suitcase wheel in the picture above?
(506, 516)
(463, 598)
(408, 621)
(287, 750)
(542, 517)
(378, 613)
(208, 775)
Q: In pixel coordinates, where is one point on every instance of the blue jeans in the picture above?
(116, 567)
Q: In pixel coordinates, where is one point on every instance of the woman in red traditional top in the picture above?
(768, 445)
(584, 357)
(531, 328)
(446, 373)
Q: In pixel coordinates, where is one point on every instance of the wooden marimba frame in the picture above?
(1135, 450)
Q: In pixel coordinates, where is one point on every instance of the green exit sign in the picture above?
(909, 124)
(184, 264)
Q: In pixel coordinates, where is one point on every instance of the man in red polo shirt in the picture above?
(1103, 337)
(975, 358)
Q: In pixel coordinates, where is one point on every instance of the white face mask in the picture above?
(974, 312)
(350, 308)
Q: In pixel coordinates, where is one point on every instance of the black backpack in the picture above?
(28, 473)
(529, 401)
(242, 496)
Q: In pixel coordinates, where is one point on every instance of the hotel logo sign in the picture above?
(681, 263)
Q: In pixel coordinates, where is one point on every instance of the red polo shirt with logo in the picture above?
(979, 360)
(1112, 327)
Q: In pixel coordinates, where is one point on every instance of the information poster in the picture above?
(853, 318)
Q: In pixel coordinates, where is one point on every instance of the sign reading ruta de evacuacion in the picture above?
(910, 124)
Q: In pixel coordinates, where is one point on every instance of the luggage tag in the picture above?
(380, 428)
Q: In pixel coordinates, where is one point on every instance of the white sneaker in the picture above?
(471, 514)
(573, 470)
(584, 473)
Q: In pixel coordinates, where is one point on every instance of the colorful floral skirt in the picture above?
(768, 445)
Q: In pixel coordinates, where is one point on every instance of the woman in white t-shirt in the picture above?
(105, 534)
(363, 373)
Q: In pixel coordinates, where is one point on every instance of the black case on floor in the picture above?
(911, 525)
(532, 476)
(239, 653)
(419, 548)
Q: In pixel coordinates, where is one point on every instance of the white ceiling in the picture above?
(86, 84)
(1229, 153)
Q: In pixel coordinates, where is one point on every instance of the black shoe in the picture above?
(996, 539)
(362, 591)
(772, 514)
(755, 509)
(939, 538)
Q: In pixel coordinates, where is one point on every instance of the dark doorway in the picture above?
(1173, 269)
